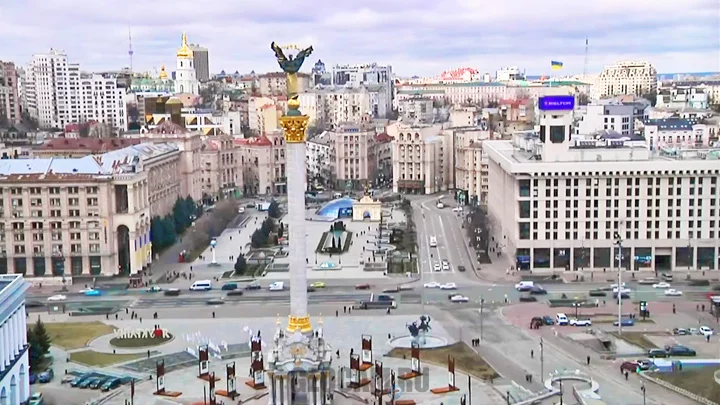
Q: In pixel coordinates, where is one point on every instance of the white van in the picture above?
(524, 286)
(201, 285)
(277, 286)
(433, 241)
(561, 319)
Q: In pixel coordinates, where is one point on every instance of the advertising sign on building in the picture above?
(556, 103)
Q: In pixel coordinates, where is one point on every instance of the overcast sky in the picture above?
(416, 37)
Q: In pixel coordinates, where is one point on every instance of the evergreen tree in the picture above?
(42, 337)
(274, 209)
(240, 265)
(34, 352)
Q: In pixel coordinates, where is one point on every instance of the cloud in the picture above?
(414, 36)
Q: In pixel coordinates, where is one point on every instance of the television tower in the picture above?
(130, 50)
(585, 66)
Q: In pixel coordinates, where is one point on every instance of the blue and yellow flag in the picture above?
(556, 65)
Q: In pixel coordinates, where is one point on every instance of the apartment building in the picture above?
(264, 113)
(373, 75)
(220, 169)
(485, 92)
(320, 153)
(471, 164)
(418, 158)
(263, 164)
(678, 134)
(57, 94)
(354, 155)
(682, 97)
(611, 115)
(332, 106)
(9, 93)
(628, 77)
(417, 110)
(201, 60)
(275, 83)
(561, 203)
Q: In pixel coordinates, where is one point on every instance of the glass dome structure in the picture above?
(340, 208)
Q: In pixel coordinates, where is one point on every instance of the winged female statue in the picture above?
(290, 64)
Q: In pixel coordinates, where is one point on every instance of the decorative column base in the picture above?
(301, 323)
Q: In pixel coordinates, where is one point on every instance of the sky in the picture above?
(415, 37)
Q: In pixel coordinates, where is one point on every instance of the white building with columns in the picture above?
(14, 365)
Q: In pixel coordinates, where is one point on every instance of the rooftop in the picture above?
(91, 145)
(672, 124)
(255, 141)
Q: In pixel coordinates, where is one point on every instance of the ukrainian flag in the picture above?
(556, 65)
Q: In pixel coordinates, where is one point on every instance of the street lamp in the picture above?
(642, 388)
(576, 305)
(542, 360)
(618, 243)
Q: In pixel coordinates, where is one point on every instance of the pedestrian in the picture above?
(532, 354)
(673, 308)
(126, 311)
(338, 353)
(107, 316)
(626, 375)
(148, 353)
(213, 314)
(588, 360)
(707, 337)
(116, 317)
(337, 313)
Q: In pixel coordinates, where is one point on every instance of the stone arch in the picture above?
(182, 89)
(123, 249)
(22, 382)
(3, 396)
(366, 215)
(13, 397)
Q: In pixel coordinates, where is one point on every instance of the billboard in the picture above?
(556, 103)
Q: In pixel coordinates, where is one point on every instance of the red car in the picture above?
(362, 287)
(630, 366)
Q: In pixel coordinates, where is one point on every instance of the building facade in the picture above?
(332, 106)
(561, 203)
(321, 159)
(9, 93)
(471, 164)
(629, 77)
(201, 60)
(370, 74)
(275, 83)
(14, 356)
(611, 115)
(418, 158)
(263, 164)
(220, 169)
(354, 155)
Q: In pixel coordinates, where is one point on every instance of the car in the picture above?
(310, 289)
(432, 284)
(680, 350)
(597, 293)
(362, 286)
(84, 290)
(36, 399)
(276, 286)
(615, 286)
(437, 267)
(459, 298)
(445, 265)
(234, 293)
(561, 319)
(229, 287)
(215, 301)
(440, 205)
(461, 268)
(538, 290)
(580, 322)
(448, 286)
(110, 384)
(58, 297)
(648, 281)
(87, 382)
(623, 290)
(661, 284)
(392, 290)
(98, 382)
(655, 353)
(680, 331)
(457, 209)
(80, 379)
(92, 293)
(172, 292)
(547, 320)
(253, 286)
(705, 330)
(626, 322)
(46, 376)
(317, 284)
(153, 289)
(33, 378)
(631, 366)
(524, 286)
(693, 331)
(67, 379)
(671, 292)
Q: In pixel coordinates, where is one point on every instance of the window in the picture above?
(557, 134)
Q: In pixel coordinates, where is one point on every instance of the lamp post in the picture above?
(542, 361)
(618, 243)
(482, 304)
(689, 254)
(576, 305)
(642, 388)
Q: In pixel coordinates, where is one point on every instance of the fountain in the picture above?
(419, 336)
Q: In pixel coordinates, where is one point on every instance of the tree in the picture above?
(281, 230)
(35, 352)
(583, 99)
(258, 239)
(651, 97)
(240, 265)
(4, 122)
(42, 337)
(274, 210)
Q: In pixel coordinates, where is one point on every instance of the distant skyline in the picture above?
(416, 37)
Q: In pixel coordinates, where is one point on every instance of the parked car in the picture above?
(229, 287)
(680, 350)
(80, 379)
(98, 382)
(661, 284)
(645, 364)
(656, 353)
(705, 330)
(362, 287)
(46, 376)
(37, 399)
(432, 284)
(459, 298)
(110, 384)
(648, 281)
(33, 378)
(548, 320)
(67, 379)
(626, 322)
(317, 284)
(680, 331)
(253, 286)
(58, 297)
(461, 268)
(448, 286)
(87, 382)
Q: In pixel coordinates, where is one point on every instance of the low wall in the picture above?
(679, 390)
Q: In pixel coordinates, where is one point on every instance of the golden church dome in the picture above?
(184, 51)
(163, 73)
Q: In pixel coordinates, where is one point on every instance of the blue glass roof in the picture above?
(332, 208)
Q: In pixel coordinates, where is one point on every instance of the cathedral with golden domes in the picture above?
(185, 78)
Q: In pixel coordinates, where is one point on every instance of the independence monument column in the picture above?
(294, 123)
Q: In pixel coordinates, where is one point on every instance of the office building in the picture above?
(557, 203)
(202, 62)
(627, 78)
(321, 159)
(367, 74)
(354, 159)
(14, 356)
(612, 114)
(418, 158)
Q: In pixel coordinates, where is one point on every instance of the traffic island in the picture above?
(140, 343)
(76, 335)
(92, 358)
(467, 360)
